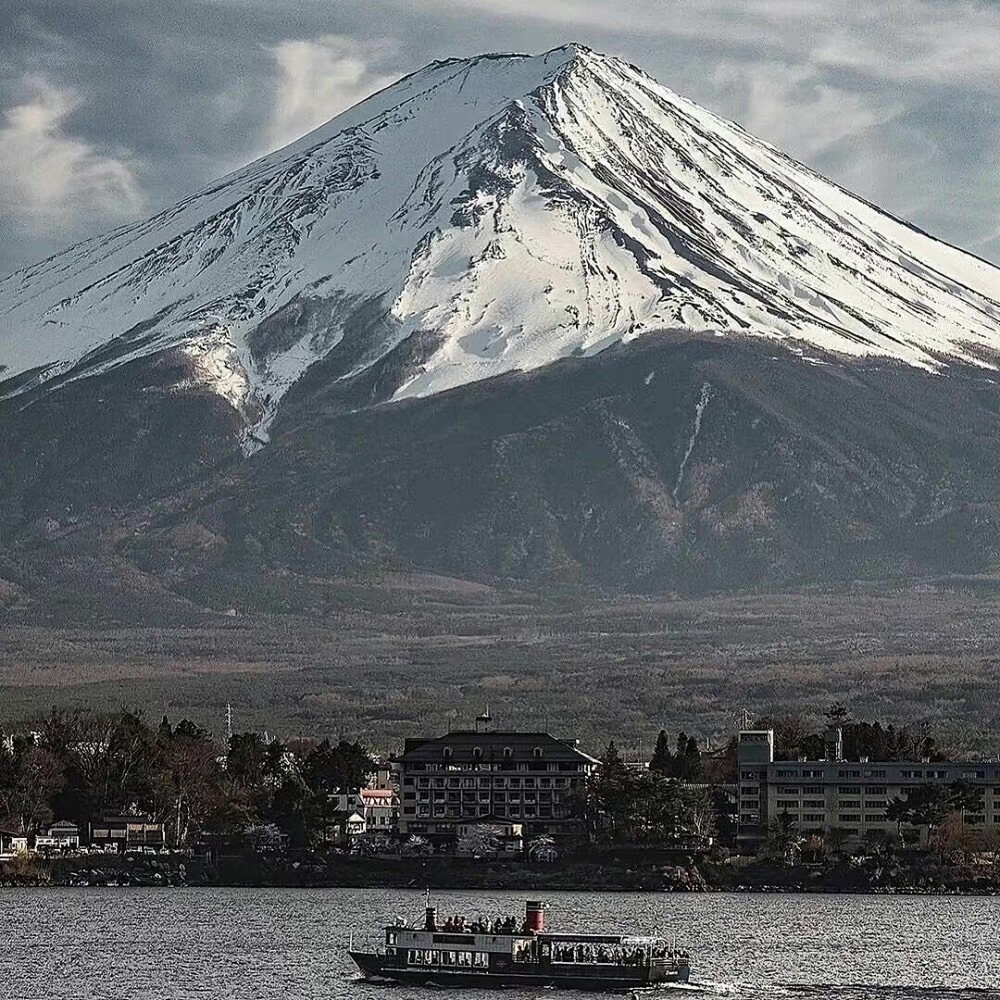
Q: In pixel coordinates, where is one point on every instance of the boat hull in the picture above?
(375, 967)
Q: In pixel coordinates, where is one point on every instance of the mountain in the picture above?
(535, 317)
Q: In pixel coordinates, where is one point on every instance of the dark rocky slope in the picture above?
(673, 465)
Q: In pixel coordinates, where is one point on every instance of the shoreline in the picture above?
(347, 872)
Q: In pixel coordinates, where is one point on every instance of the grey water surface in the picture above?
(238, 944)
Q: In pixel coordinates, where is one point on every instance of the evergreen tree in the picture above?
(692, 761)
(837, 714)
(610, 798)
(662, 761)
(343, 768)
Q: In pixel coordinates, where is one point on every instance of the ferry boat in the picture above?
(509, 952)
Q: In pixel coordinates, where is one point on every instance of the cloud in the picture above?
(52, 182)
(320, 78)
(897, 101)
(921, 41)
(760, 95)
(954, 44)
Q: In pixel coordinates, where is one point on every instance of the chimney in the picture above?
(534, 917)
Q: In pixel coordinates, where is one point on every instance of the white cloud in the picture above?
(54, 183)
(320, 78)
(953, 44)
(921, 41)
(795, 109)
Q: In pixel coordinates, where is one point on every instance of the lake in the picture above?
(237, 944)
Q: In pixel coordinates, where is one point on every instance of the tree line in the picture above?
(795, 738)
(656, 805)
(78, 764)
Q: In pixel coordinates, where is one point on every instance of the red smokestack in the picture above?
(534, 917)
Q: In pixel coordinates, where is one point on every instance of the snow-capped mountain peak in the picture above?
(487, 215)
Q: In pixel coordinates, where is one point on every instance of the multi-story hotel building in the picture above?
(818, 795)
(532, 779)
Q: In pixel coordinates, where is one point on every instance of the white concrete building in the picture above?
(852, 796)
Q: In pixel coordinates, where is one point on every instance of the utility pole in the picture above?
(229, 722)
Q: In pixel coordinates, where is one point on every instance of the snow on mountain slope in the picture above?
(503, 212)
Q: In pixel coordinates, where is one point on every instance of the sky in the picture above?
(113, 109)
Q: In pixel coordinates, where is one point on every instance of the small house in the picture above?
(12, 845)
(58, 837)
(354, 825)
(123, 832)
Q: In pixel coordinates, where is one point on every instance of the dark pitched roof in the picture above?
(493, 746)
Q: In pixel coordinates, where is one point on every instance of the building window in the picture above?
(477, 752)
(508, 752)
(447, 753)
(537, 752)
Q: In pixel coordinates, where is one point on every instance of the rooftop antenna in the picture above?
(484, 718)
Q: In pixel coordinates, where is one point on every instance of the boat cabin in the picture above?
(508, 945)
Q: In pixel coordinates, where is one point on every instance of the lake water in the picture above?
(238, 944)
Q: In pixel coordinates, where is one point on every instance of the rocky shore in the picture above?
(922, 875)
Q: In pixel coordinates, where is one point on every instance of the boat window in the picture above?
(390, 937)
(448, 958)
(390, 952)
(415, 957)
(480, 959)
(522, 951)
(465, 959)
(589, 953)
